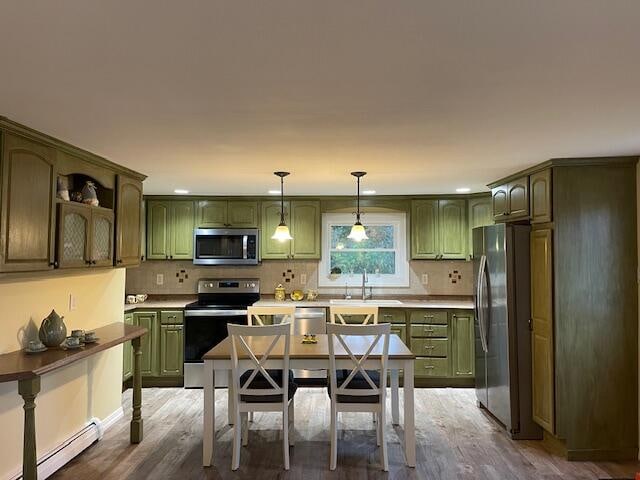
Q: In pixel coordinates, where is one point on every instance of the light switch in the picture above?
(425, 278)
(160, 279)
(303, 279)
(72, 302)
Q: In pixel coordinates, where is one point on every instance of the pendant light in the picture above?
(282, 231)
(357, 231)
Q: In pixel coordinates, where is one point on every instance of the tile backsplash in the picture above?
(444, 277)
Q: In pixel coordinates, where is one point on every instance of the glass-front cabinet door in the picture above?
(73, 236)
(102, 238)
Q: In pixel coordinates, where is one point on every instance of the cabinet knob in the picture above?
(53, 264)
(119, 260)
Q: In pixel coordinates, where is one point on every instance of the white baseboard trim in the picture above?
(57, 457)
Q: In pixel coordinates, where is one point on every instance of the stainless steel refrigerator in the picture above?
(502, 333)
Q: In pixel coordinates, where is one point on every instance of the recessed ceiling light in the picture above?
(181, 191)
(463, 190)
(368, 192)
(274, 192)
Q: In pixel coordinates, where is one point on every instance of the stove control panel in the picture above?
(229, 285)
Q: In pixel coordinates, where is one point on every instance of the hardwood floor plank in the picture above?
(455, 440)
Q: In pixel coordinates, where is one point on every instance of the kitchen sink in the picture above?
(357, 301)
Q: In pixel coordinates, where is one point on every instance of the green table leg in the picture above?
(136, 419)
(29, 389)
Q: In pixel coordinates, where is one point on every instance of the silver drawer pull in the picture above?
(429, 367)
(428, 316)
(387, 315)
(429, 347)
(429, 330)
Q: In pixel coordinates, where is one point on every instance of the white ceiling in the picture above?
(425, 95)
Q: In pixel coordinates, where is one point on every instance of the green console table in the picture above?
(27, 369)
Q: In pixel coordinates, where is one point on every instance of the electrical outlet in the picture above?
(425, 278)
(160, 279)
(303, 279)
(72, 302)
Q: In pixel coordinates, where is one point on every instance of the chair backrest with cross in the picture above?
(365, 315)
(270, 315)
(373, 339)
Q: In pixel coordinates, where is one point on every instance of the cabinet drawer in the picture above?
(429, 316)
(430, 347)
(429, 330)
(172, 317)
(401, 331)
(391, 315)
(432, 367)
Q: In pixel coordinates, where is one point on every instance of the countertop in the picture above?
(162, 302)
(165, 302)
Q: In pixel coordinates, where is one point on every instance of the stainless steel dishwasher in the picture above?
(310, 320)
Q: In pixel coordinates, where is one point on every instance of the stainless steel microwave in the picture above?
(226, 246)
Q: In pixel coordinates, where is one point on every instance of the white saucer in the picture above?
(27, 350)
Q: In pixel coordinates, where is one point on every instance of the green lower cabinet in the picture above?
(149, 342)
(432, 367)
(462, 333)
(401, 331)
(171, 350)
(127, 352)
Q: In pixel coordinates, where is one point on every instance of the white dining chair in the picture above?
(257, 315)
(359, 389)
(369, 314)
(257, 389)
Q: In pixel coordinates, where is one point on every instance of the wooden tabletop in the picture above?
(19, 365)
(397, 349)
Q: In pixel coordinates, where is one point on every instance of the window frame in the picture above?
(398, 220)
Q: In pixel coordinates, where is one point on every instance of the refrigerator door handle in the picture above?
(480, 303)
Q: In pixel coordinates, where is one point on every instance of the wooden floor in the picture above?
(455, 440)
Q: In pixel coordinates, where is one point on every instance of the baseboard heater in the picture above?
(57, 457)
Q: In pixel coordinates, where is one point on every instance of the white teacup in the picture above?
(72, 341)
(132, 299)
(35, 345)
(141, 297)
(90, 336)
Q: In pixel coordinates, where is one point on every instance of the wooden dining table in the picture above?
(302, 356)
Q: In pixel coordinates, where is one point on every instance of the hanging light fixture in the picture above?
(357, 231)
(282, 231)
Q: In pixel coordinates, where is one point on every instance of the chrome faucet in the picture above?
(364, 286)
(347, 296)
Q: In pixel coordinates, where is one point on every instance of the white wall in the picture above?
(73, 395)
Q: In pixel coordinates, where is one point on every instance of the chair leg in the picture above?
(292, 424)
(237, 434)
(378, 432)
(382, 417)
(285, 431)
(334, 438)
(251, 417)
(245, 429)
(373, 417)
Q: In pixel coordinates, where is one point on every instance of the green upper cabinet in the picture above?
(170, 226)
(242, 214)
(540, 183)
(273, 249)
(158, 229)
(305, 229)
(128, 220)
(223, 213)
(462, 333)
(28, 190)
(182, 223)
(511, 200)
(303, 219)
(479, 215)
(438, 229)
(425, 242)
(452, 219)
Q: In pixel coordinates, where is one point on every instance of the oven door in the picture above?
(203, 330)
(219, 246)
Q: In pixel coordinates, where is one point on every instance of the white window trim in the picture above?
(397, 220)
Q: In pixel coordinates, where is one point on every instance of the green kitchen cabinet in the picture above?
(479, 214)
(540, 198)
(182, 223)
(425, 241)
(438, 229)
(452, 221)
(510, 201)
(303, 219)
(149, 343)
(305, 230)
(463, 342)
(223, 213)
(171, 350)
(273, 249)
(170, 225)
(127, 352)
